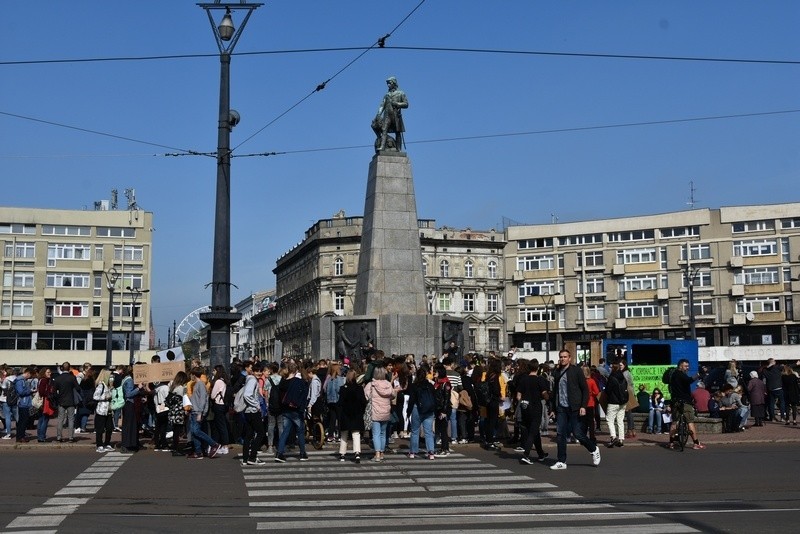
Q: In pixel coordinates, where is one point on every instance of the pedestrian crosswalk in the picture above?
(453, 494)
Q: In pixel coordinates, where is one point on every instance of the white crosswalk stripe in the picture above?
(416, 495)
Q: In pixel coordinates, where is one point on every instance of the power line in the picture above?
(412, 49)
(96, 132)
(380, 43)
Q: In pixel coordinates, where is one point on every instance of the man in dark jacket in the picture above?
(570, 396)
(66, 385)
(772, 375)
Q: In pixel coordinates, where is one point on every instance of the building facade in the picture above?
(635, 277)
(55, 299)
(463, 276)
(244, 329)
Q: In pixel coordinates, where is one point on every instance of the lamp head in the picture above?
(226, 28)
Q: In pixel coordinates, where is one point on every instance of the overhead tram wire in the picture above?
(380, 43)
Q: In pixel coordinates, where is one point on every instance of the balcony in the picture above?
(736, 262)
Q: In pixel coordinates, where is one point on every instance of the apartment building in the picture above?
(636, 276)
(55, 295)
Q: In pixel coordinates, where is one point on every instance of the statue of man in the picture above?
(389, 118)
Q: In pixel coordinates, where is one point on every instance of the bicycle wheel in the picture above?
(317, 435)
(683, 431)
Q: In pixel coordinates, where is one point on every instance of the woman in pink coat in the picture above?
(380, 392)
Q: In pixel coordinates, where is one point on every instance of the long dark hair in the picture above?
(180, 379)
(421, 377)
(220, 374)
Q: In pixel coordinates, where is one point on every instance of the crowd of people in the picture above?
(435, 404)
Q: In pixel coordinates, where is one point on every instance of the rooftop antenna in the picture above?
(113, 199)
(553, 218)
(130, 194)
(692, 201)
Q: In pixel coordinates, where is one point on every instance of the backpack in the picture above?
(239, 404)
(296, 395)
(118, 396)
(426, 403)
(482, 393)
(175, 411)
(274, 401)
(666, 378)
(12, 397)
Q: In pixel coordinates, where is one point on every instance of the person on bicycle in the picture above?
(680, 388)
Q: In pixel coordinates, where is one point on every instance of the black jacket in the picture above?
(65, 384)
(577, 390)
(617, 388)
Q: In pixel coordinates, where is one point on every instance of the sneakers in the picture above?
(596, 456)
(519, 449)
(100, 449)
(442, 454)
(411, 455)
(304, 457)
(619, 443)
(558, 466)
(195, 456)
(6, 436)
(341, 458)
(698, 446)
(256, 462)
(222, 450)
(462, 442)
(214, 450)
(358, 458)
(279, 458)
(526, 460)
(431, 456)
(611, 443)
(79, 431)
(542, 457)
(109, 448)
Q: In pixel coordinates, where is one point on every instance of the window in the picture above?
(636, 255)
(680, 231)
(537, 315)
(129, 253)
(758, 305)
(67, 280)
(424, 267)
(96, 310)
(444, 302)
(338, 302)
(785, 249)
(697, 252)
(444, 269)
(98, 252)
(591, 259)
(71, 309)
(629, 310)
(104, 231)
(752, 226)
(535, 263)
(789, 307)
(17, 279)
(662, 253)
(494, 339)
(764, 247)
(593, 312)
(49, 229)
(492, 266)
(757, 275)
(540, 287)
(588, 239)
(595, 283)
(15, 340)
(124, 310)
(472, 334)
(61, 341)
(68, 251)
(338, 267)
(790, 223)
(701, 307)
(468, 269)
(492, 302)
(469, 302)
(545, 242)
(20, 249)
(24, 229)
(632, 235)
(17, 308)
(701, 279)
(131, 280)
(637, 283)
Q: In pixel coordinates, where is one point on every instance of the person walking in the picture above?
(294, 400)
(617, 394)
(351, 406)
(199, 400)
(570, 396)
(253, 422)
(531, 390)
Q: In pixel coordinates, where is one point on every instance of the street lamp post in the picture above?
(547, 300)
(111, 281)
(221, 315)
(136, 293)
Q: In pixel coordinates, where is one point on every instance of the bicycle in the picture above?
(315, 432)
(681, 425)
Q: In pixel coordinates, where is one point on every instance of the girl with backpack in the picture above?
(220, 404)
(421, 411)
(332, 386)
(351, 405)
(175, 412)
(443, 388)
(103, 424)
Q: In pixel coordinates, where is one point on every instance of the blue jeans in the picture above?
(378, 432)
(454, 424)
(654, 421)
(568, 423)
(775, 394)
(7, 417)
(198, 435)
(41, 427)
(427, 425)
(292, 419)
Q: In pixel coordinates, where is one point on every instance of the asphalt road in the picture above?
(644, 489)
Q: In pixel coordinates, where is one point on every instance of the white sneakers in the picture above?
(596, 456)
(558, 466)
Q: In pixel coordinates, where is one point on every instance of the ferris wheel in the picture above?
(191, 326)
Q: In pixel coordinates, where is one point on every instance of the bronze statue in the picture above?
(389, 118)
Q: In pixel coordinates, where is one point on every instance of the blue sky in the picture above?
(576, 175)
